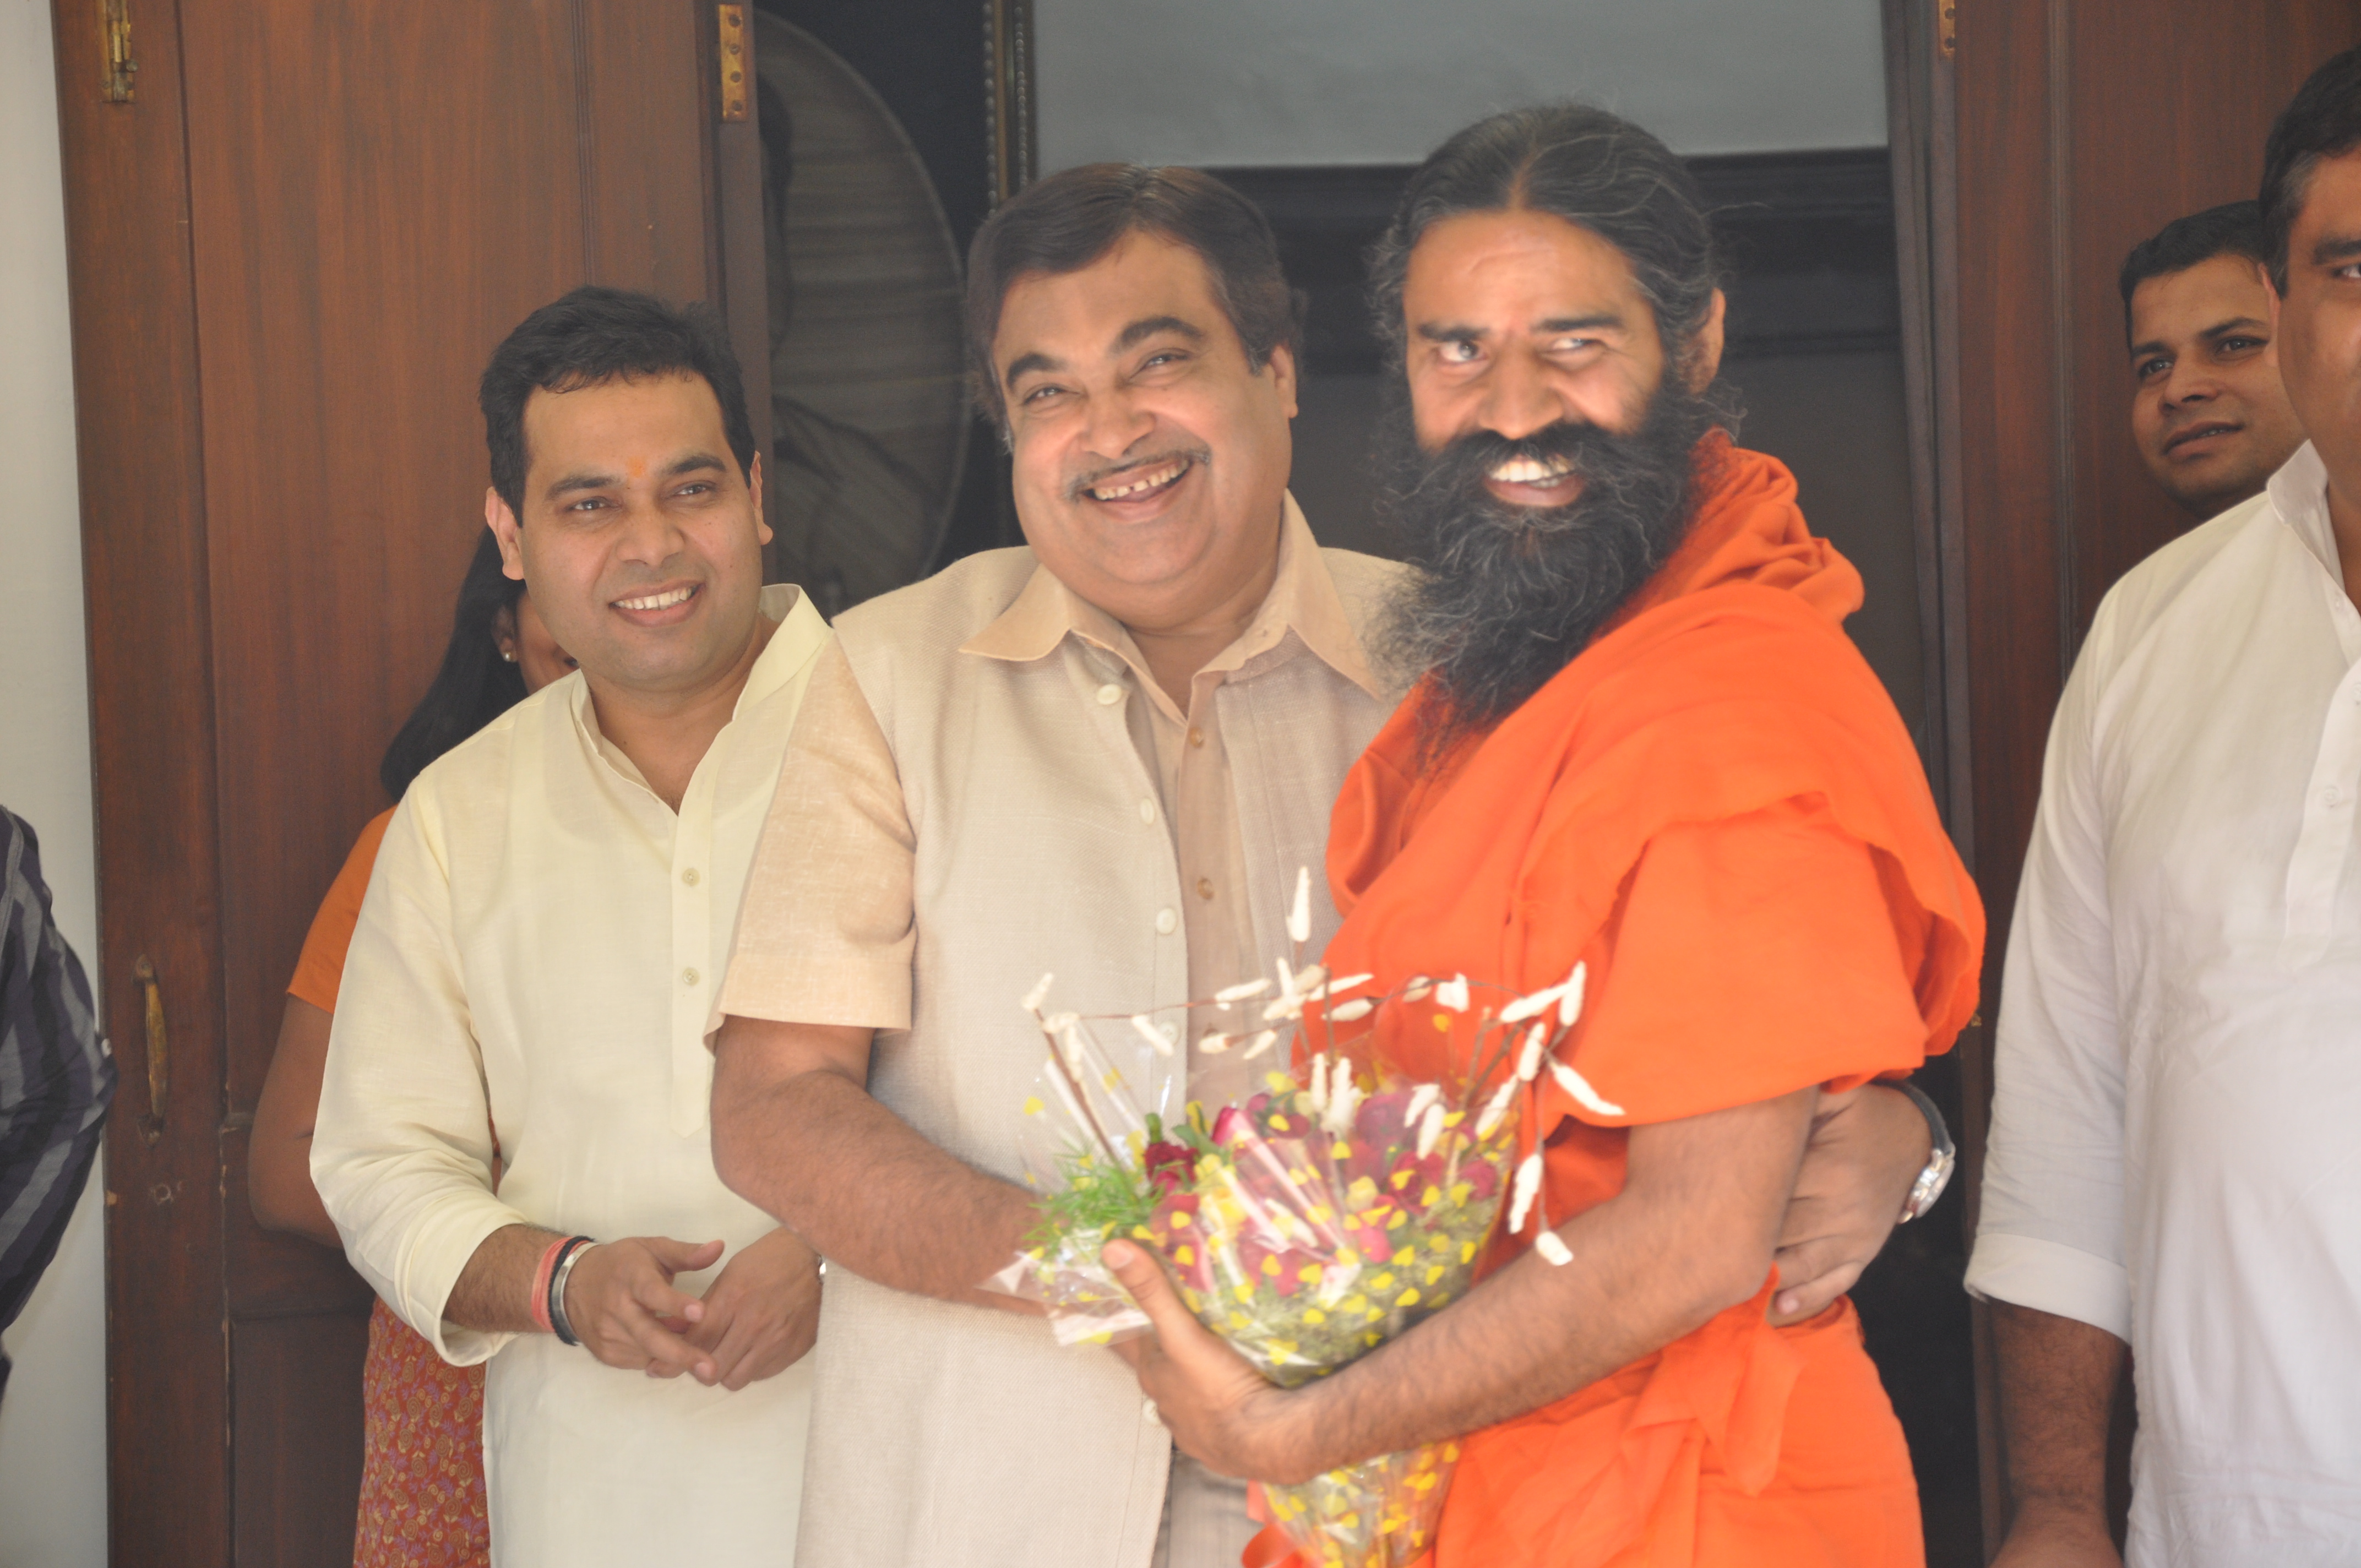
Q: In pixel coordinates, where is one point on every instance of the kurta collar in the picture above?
(1303, 599)
(802, 634)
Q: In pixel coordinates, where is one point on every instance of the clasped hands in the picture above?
(756, 1319)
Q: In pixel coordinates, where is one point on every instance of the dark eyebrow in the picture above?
(2336, 248)
(570, 484)
(1148, 326)
(1581, 323)
(2235, 323)
(1435, 331)
(2154, 345)
(1026, 363)
(1439, 332)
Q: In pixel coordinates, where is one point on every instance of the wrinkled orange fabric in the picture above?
(1717, 808)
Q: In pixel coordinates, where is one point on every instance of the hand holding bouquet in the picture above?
(1307, 1225)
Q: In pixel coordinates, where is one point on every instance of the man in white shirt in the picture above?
(536, 961)
(2172, 1161)
(2209, 414)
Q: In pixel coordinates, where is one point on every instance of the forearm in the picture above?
(2058, 1382)
(279, 1147)
(1691, 1234)
(494, 1291)
(865, 1188)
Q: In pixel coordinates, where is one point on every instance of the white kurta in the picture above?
(539, 951)
(2176, 1136)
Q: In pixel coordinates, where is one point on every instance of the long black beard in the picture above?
(1506, 596)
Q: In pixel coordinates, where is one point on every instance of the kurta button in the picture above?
(689, 876)
(1197, 736)
(1110, 693)
(1167, 922)
(1148, 811)
(2331, 795)
(1204, 887)
(688, 977)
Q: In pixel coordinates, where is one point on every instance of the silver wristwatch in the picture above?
(1939, 1163)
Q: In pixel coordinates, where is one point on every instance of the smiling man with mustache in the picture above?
(1641, 742)
(1105, 754)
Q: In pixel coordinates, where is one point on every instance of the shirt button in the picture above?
(2331, 795)
(1148, 811)
(688, 977)
(1109, 694)
(689, 876)
(1197, 736)
(1204, 887)
(1167, 922)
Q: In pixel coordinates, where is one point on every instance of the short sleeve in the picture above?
(827, 931)
(320, 971)
(1746, 959)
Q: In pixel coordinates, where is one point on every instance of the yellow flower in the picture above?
(1033, 1106)
(1408, 1298)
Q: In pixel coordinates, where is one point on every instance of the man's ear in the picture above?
(2270, 294)
(754, 489)
(1282, 365)
(1704, 347)
(503, 524)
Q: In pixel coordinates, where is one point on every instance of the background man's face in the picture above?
(641, 544)
(1150, 458)
(2316, 328)
(1519, 320)
(2208, 411)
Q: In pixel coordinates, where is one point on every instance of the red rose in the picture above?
(1171, 1167)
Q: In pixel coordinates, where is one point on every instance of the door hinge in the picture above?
(1947, 26)
(734, 65)
(114, 29)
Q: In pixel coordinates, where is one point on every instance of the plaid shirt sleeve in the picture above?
(55, 1074)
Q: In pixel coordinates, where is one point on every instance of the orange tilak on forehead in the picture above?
(638, 468)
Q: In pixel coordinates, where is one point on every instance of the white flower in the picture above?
(1343, 1100)
(1213, 1044)
(1337, 987)
(1346, 1012)
(1299, 918)
(1548, 1244)
(1037, 995)
(1151, 1034)
(1495, 1110)
(1262, 1043)
(1528, 1065)
(1244, 989)
(1424, 1095)
(1429, 1130)
(1529, 1182)
(1453, 993)
(1524, 1007)
(1574, 1083)
(1569, 1006)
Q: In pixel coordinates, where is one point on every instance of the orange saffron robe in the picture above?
(1717, 808)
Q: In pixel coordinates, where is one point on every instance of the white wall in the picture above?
(1263, 81)
(53, 1423)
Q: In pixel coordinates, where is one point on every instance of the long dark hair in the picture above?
(475, 684)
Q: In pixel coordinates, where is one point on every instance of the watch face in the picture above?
(1930, 1184)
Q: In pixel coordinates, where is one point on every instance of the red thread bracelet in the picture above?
(540, 1286)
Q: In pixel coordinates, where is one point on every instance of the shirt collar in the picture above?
(1302, 599)
(2299, 493)
(800, 635)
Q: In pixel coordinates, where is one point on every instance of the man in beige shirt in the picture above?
(1106, 755)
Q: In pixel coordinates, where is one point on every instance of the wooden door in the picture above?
(2057, 135)
(292, 248)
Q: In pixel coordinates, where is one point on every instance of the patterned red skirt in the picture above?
(423, 1462)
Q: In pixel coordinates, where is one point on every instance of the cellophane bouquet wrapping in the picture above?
(1328, 1212)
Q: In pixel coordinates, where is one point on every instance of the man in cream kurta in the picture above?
(537, 957)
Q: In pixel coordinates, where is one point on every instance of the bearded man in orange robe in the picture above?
(1643, 742)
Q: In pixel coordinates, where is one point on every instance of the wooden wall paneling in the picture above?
(643, 122)
(298, 1388)
(144, 561)
(740, 253)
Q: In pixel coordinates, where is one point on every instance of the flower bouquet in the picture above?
(1323, 1216)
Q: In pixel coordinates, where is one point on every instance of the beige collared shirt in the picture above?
(987, 783)
(538, 951)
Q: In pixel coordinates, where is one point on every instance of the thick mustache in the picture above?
(1091, 479)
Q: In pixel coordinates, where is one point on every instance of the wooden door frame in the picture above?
(157, 772)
